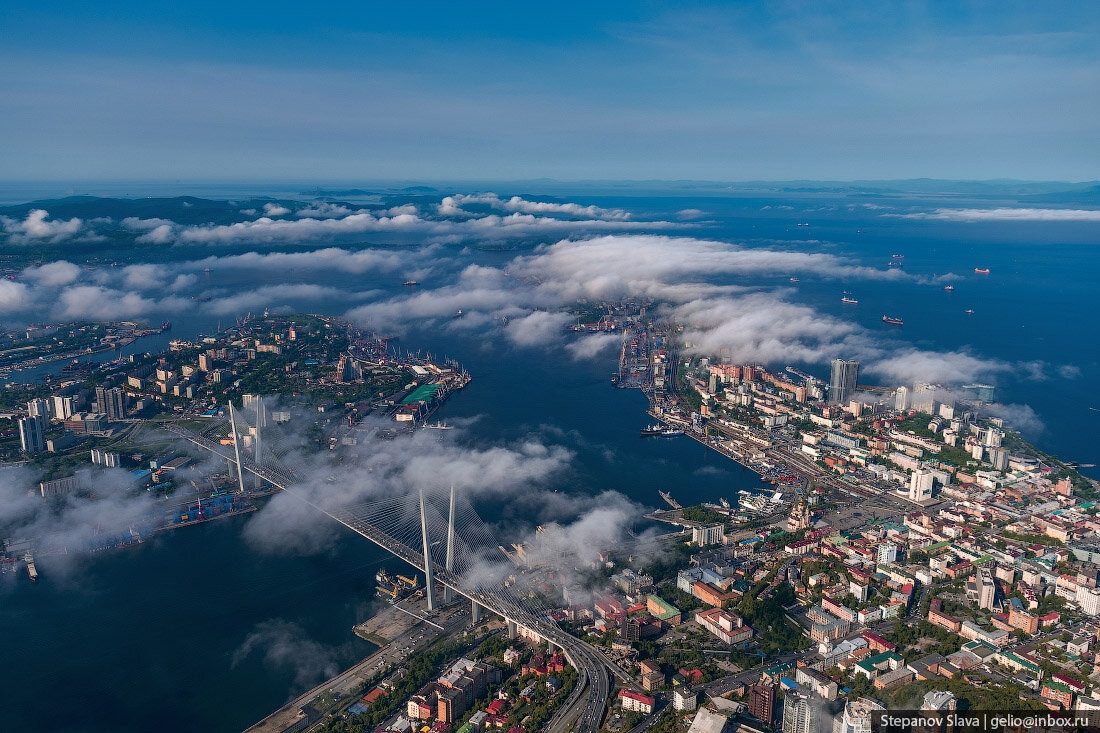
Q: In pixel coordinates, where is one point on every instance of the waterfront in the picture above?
(167, 619)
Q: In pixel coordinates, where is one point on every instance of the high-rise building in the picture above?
(32, 433)
(762, 702)
(111, 402)
(887, 553)
(39, 408)
(998, 457)
(987, 591)
(347, 369)
(63, 407)
(856, 717)
(801, 711)
(921, 482)
(901, 399)
(843, 376)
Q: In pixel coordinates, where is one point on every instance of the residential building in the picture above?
(636, 702)
(843, 376)
(714, 534)
(762, 702)
(801, 711)
(726, 626)
(32, 434)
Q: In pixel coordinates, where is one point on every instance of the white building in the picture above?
(856, 716)
(920, 485)
(715, 534)
(887, 553)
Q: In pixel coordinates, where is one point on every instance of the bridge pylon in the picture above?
(236, 446)
(429, 576)
(449, 563)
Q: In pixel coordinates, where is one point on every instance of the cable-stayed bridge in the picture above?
(440, 534)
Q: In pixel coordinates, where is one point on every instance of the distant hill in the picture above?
(181, 209)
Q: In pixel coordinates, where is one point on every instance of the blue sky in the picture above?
(599, 90)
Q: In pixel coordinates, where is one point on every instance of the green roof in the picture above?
(667, 609)
(423, 393)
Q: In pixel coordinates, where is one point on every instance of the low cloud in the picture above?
(283, 645)
(53, 274)
(1005, 214)
(275, 210)
(37, 228)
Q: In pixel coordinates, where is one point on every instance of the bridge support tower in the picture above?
(429, 576)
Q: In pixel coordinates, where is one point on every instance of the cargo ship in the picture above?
(981, 270)
(410, 283)
(848, 299)
(948, 287)
(893, 320)
(660, 430)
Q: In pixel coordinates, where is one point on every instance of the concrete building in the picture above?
(856, 716)
(726, 626)
(921, 482)
(801, 712)
(101, 457)
(111, 402)
(715, 534)
(762, 702)
(39, 408)
(887, 553)
(843, 376)
(32, 433)
(987, 590)
(685, 700)
(63, 406)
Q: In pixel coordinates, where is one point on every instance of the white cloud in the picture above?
(538, 328)
(330, 258)
(1005, 214)
(272, 295)
(133, 222)
(13, 296)
(591, 345)
(36, 227)
(162, 234)
(97, 303)
(53, 274)
(322, 210)
(271, 209)
(452, 206)
(144, 277)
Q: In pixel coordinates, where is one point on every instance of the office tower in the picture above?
(843, 376)
(32, 433)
